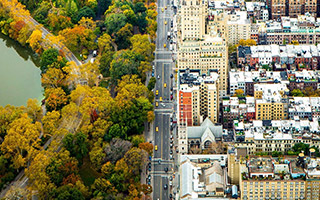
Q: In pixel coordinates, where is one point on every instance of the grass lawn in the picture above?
(87, 173)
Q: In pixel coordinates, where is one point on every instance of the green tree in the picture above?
(301, 147)
(124, 62)
(122, 37)
(67, 192)
(50, 57)
(152, 83)
(114, 22)
(105, 62)
(85, 12)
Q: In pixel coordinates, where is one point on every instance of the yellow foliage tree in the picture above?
(35, 40)
(22, 142)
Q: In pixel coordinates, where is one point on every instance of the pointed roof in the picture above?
(207, 127)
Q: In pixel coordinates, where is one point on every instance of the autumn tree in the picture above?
(22, 141)
(248, 42)
(239, 93)
(147, 146)
(33, 109)
(56, 98)
(78, 39)
(143, 47)
(135, 158)
(35, 40)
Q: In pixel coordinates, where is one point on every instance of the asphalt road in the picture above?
(163, 112)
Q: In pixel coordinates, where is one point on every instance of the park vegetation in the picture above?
(88, 144)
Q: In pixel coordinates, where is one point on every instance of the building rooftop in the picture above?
(271, 92)
(202, 176)
(192, 79)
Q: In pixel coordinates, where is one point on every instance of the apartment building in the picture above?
(192, 16)
(198, 97)
(237, 108)
(232, 25)
(292, 8)
(273, 178)
(278, 8)
(300, 57)
(275, 135)
(271, 101)
(198, 49)
(304, 28)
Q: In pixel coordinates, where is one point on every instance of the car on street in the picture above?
(171, 157)
(157, 92)
(149, 177)
(165, 22)
(94, 53)
(171, 145)
(171, 88)
(171, 97)
(166, 169)
(159, 161)
(170, 178)
(164, 45)
(162, 9)
(158, 77)
(156, 147)
(157, 129)
(171, 152)
(170, 196)
(171, 76)
(160, 99)
(157, 104)
(165, 186)
(165, 85)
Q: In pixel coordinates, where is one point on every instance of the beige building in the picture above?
(271, 101)
(268, 178)
(233, 26)
(206, 55)
(198, 49)
(198, 97)
(192, 17)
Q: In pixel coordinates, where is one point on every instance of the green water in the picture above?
(19, 75)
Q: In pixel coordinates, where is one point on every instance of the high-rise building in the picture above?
(198, 97)
(197, 49)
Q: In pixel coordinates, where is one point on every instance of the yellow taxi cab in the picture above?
(165, 7)
(164, 45)
(157, 92)
(165, 22)
(157, 104)
(157, 129)
(160, 98)
(164, 85)
(156, 147)
(162, 9)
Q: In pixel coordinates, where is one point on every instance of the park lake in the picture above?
(19, 75)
